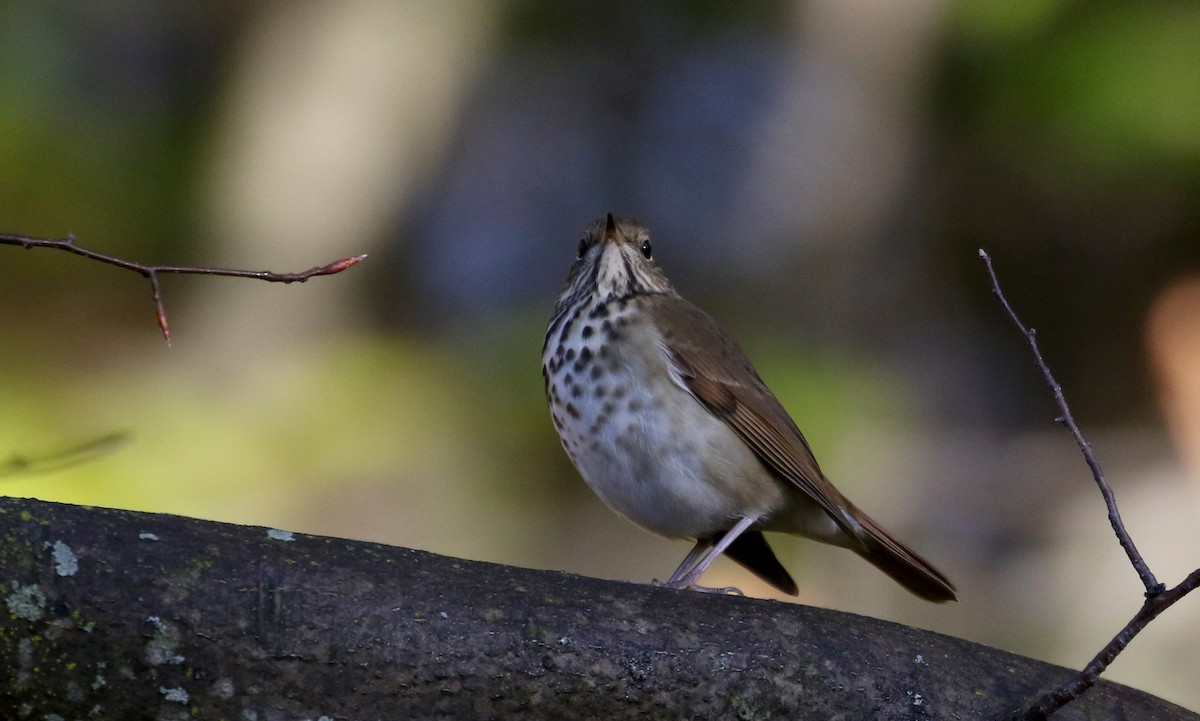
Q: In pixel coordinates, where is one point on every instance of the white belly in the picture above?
(647, 448)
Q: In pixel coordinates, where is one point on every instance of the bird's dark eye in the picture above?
(646, 249)
(583, 247)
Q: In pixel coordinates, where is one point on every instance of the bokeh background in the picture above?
(819, 175)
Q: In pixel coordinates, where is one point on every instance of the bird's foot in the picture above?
(688, 584)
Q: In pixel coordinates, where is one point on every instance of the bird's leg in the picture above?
(687, 574)
(702, 545)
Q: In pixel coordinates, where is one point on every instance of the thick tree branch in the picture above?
(151, 272)
(1158, 598)
(123, 615)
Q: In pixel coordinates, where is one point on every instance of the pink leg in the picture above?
(687, 578)
(689, 561)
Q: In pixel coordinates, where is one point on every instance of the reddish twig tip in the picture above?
(338, 266)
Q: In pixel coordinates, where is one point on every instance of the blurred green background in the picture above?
(818, 175)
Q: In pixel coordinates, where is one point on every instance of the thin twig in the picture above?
(1157, 599)
(1073, 689)
(151, 272)
(46, 463)
(1153, 587)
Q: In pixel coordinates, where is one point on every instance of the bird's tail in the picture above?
(901, 562)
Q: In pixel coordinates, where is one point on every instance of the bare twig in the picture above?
(57, 460)
(1153, 587)
(1073, 689)
(1158, 598)
(151, 272)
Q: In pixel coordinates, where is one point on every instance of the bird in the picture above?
(667, 420)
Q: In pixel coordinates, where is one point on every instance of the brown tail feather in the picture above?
(902, 563)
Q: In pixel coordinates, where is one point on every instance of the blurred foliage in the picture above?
(270, 445)
(1062, 135)
(102, 113)
(1069, 138)
(1082, 92)
(533, 22)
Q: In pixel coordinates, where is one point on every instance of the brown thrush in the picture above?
(669, 423)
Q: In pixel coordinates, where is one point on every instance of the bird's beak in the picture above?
(611, 234)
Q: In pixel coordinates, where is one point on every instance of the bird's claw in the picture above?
(687, 584)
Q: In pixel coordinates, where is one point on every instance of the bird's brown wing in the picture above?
(720, 376)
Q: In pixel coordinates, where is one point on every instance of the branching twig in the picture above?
(1158, 599)
(151, 272)
(1073, 689)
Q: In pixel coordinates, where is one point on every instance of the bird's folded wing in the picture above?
(759, 419)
